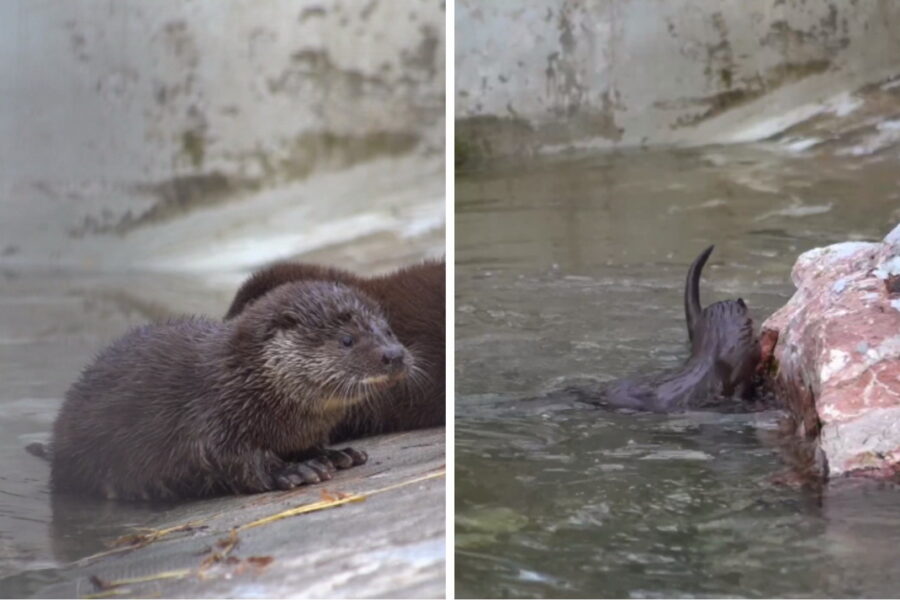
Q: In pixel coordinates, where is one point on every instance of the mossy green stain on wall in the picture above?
(326, 150)
(193, 145)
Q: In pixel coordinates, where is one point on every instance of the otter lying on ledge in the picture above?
(195, 407)
(724, 355)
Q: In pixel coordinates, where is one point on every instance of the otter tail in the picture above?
(40, 450)
(692, 306)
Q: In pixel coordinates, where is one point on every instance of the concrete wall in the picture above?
(136, 90)
(116, 115)
(550, 74)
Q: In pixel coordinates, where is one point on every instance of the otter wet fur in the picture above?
(413, 300)
(196, 407)
(724, 354)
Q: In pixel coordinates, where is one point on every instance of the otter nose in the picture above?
(392, 356)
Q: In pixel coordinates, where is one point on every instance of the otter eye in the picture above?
(287, 321)
(346, 340)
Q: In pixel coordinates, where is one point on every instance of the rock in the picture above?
(836, 362)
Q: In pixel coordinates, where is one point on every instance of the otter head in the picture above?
(322, 340)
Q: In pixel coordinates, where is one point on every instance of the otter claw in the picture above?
(339, 459)
(326, 461)
(321, 470)
(287, 482)
(305, 473)
(282, 482)
(349, 457)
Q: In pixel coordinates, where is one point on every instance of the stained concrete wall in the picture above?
(552, 74)
(119, 116)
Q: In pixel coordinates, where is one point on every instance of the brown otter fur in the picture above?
(413, 300)
(196, 407)
(725, 352)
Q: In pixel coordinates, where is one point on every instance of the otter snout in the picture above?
(393, 357)
(389, 362)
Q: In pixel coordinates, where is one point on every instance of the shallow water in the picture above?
(573, 267)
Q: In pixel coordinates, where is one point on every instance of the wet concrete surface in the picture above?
(387, 540)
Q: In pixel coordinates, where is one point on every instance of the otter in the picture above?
(413, 300)
(195, 407)
(725, 353)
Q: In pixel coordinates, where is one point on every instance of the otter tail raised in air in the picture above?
(692, 308)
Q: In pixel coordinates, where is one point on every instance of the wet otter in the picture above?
(724, 355)
(413, 300)
(195, 407)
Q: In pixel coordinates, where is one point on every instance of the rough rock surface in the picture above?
(838, 354)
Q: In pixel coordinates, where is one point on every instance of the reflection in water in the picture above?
(573, 268)
(82, 526)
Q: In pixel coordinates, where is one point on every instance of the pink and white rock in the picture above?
(837, 354)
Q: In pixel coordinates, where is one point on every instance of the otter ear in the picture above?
(741, 302)
(285, 321)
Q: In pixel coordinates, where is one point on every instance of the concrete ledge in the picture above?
(374, 531)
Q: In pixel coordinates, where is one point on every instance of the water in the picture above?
(573, 268)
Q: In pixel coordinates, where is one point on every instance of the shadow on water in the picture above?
(572, 268)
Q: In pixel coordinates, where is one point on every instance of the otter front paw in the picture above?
(344, 459)
(302, 473)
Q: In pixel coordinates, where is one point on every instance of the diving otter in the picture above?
(195, 407)
(724, 355)
(413, 300)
